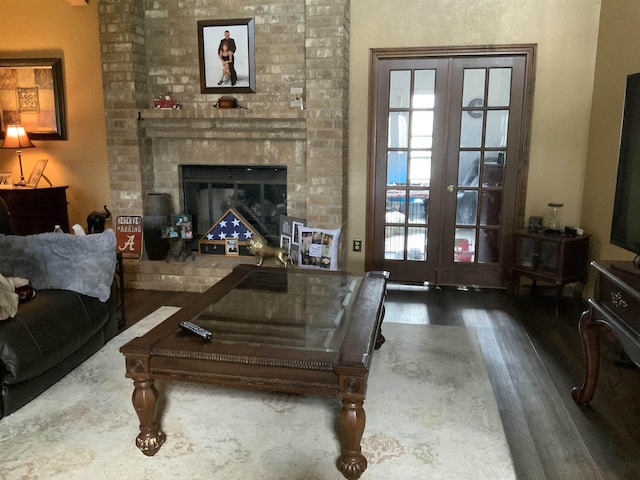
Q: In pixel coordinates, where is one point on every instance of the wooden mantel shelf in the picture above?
(223, 113)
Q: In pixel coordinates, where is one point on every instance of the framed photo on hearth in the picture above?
(227, 56)
(32, 95)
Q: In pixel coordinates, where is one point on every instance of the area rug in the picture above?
(430, 413)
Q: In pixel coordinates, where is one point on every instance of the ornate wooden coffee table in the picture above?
(290, 330)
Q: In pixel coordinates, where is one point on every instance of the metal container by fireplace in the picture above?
(155, 221)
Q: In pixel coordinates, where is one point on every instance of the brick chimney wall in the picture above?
(150, 47)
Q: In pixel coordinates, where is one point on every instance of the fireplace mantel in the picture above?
(221, 124)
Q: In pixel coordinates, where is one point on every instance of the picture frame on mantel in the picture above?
(241, 40)
(32, 95)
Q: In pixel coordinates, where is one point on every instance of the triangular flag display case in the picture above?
(228, 236)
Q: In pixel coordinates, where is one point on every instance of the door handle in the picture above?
(450, 188)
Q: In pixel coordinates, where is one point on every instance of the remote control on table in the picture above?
(195, 329)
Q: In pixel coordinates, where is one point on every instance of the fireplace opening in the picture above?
(258, 193)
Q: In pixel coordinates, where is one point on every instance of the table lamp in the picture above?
(16, 138)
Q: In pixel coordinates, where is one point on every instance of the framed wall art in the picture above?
(227, 56)
(32, 95)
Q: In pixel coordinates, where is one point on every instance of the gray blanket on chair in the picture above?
(84, 264)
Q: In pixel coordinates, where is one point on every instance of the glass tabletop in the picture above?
(284, 309)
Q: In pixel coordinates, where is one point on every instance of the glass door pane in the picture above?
(409, 155)
(484, 126)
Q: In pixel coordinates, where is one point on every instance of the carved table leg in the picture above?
(145, 400)
(352, 417)
(589, 333)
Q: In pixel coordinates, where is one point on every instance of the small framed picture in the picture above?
(535, 223)
(285, 243)
(36, 173)
(231, 247)
(5, 178)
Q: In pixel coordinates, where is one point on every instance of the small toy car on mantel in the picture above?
(165, 102)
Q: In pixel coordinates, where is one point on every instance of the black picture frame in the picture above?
(535, 223)
(32, 93)
(210, 36)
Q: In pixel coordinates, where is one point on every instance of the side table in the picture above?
(616, 303)
(36, 210)
(553, 258)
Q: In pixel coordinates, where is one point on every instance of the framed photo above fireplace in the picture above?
(32, 95)
(227, 56)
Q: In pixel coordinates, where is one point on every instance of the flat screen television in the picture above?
(625, 226)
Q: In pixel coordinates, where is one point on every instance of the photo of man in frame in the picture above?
(236, 38)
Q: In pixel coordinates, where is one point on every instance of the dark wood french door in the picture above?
(446, 165)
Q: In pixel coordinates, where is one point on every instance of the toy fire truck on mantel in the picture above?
(165, 102)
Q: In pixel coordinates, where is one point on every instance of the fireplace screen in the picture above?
(259, 194)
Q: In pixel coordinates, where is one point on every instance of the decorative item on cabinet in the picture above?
(535, 223)
(554, 217)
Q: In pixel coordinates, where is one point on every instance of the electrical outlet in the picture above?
(357, 245)
(297, 100)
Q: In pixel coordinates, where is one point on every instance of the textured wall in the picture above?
(617, 57)
(56, 29)
(566, 35)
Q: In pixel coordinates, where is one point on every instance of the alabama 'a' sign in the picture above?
(129, 236)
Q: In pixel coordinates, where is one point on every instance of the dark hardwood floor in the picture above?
(533, 359)
(140, 303)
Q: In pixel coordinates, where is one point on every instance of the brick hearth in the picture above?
(189, 276)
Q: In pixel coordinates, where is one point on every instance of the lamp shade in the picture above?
(16, 138)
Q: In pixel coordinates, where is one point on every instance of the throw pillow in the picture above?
(84, 264)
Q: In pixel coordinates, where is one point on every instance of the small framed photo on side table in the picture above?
(535, 223)
(5, 178)
(36, 173)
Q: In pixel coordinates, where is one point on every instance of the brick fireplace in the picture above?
(151, 46)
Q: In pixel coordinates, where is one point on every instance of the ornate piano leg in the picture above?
(352, 418)
(589, 333)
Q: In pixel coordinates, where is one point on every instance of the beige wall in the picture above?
(53, 28)
(566, 33)
(617, 57)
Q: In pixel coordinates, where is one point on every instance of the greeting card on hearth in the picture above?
(318, 248)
